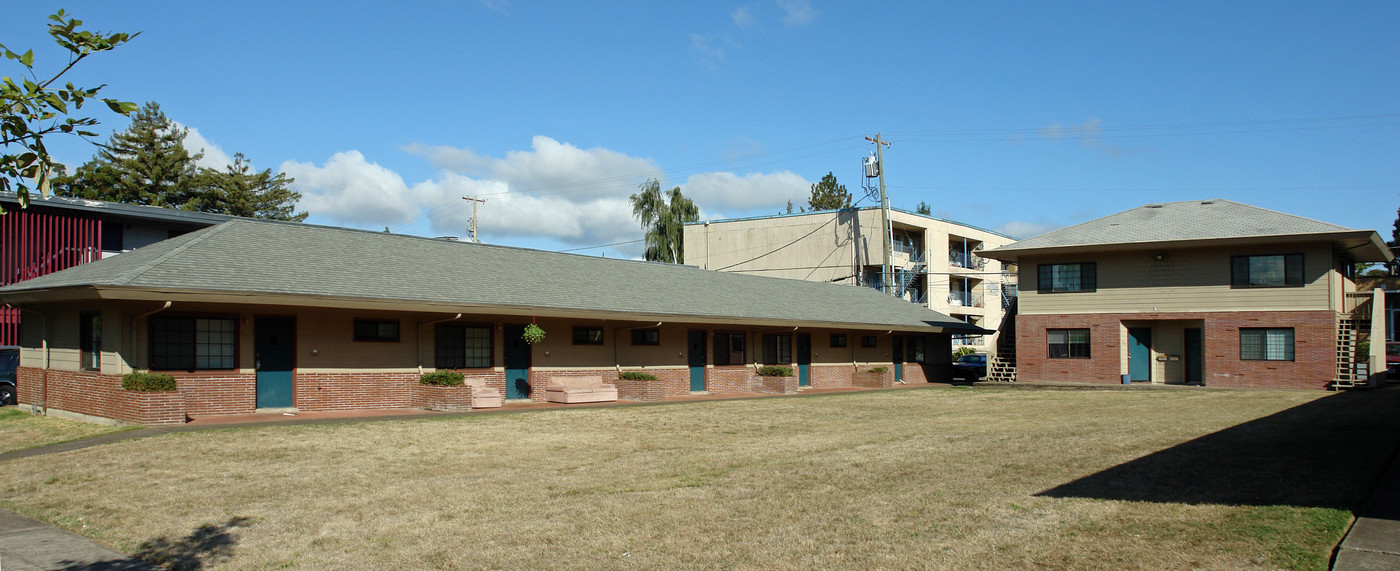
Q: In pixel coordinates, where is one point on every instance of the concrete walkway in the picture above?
(1374, 539)
(30, 545)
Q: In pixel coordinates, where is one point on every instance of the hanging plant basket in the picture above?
(533, 334)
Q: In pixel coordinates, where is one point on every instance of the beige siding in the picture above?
(1182, 281)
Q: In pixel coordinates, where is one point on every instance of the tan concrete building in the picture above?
(934, 261)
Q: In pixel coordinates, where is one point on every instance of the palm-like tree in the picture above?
(664, 220)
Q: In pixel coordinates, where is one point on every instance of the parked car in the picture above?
(9, 362)
(1392, 359)
(971, 367)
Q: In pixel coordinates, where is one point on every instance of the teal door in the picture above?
(274, 354)
(898, 353)
(804, 359)
(1193, 357)
(1140, 354)
(695, 356)
(517, 363)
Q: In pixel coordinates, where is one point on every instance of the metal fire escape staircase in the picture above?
(904, 278)
(1003, 365)
(1350, 328)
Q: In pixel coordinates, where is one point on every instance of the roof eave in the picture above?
(1366, 245)
(108, 292)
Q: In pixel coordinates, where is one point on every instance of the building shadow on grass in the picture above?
(1327, 453)
(209, 543)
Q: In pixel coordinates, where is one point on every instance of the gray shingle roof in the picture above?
(1185, 221)
(256, 257)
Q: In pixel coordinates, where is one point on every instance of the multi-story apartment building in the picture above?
(934, 262)
(1207, 292)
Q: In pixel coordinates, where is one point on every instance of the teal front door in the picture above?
(1193, 357)
(898, 358)
(804, 359)
(1140, 353)
(274, 355)
(695, 356)
(517, 363)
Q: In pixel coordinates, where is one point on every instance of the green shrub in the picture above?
(1363, 350)
(442, 378)
(964, 350)
(148, 382)
(636, 376)
(771, 371)
(878, 370)
(532, 334)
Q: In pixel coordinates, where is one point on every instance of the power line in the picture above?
(602, 246)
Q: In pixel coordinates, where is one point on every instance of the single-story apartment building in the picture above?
(1209, 292)
(253, 316)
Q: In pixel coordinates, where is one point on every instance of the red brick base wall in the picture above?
(729, 379)
(101, 395)
(218, 392)
(668, 383)
(442, 398)
(774, 385)
(865, 378)
(1312, 367)
(832, 376)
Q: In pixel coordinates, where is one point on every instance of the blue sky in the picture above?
(1016, 116)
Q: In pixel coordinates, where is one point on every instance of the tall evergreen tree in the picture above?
(663, 215)
(828, 195)
(238, 192)
(148, 164)
(145, 164)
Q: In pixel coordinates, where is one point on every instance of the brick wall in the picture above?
(1314, 348)
(101, 395)
(350, 391)
(832, 376)
(218, 392)
(668, 383)
(442, 398)
(774, 385)
(729, 379)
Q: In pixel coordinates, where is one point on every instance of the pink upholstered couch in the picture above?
(482, 395)
(590, 388)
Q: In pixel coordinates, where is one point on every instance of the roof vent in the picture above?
(1207, 202)
(1153, 206)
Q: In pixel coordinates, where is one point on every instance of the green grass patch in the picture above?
(24, 430)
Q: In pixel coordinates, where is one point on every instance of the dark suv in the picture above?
(9, 361)
(971, 367)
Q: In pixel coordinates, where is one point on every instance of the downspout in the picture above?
(136, 320)
(419, 343)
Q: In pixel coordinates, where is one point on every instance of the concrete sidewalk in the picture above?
(1374, 539)
(29, 545)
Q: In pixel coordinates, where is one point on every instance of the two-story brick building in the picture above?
(1207, 292)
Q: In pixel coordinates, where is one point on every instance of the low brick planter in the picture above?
(774, 385)
(872, 380)
(441, 398)
(153, 408)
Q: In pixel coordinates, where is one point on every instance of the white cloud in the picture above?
(797, 12)
(350, 190)
(705, 49)
(496, 5)
(1022, 229)
(553, 190)
(214, 157)
(742, 17)
(725, 190)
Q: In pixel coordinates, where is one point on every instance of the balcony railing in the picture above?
(968, 339)
(965, 299)
(961, 259)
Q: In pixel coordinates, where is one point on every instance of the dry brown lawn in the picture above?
(938, 478)
(22, 430)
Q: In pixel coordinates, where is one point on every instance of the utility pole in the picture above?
(880, 144)
(472, 230)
